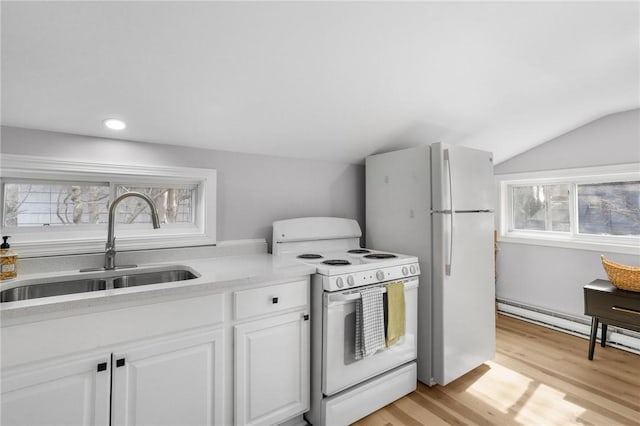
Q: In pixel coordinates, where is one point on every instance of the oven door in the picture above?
(340, 369)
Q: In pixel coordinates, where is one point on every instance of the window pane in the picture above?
(541, 207)
(53, 204)
(611, 208)
(559, 207)
(175, 205)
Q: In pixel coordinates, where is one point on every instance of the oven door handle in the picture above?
(355, 294)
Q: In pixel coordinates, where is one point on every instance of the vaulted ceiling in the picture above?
(326, 80)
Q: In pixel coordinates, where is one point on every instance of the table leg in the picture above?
(594, 333)
(603, 339)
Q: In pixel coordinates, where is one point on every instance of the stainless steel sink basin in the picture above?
(75, 285)
(144, 278)
(35, 291)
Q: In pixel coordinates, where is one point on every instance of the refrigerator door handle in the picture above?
(447, 266)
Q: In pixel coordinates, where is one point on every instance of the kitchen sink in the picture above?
(157, 277)
(75, 285)
(35, 291)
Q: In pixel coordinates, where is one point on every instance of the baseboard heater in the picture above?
(616, 337)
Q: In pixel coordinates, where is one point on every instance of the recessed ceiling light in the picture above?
(115, 124)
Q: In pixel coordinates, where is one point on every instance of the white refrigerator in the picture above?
(436, 202)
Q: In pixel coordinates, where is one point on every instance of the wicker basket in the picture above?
(622, 276)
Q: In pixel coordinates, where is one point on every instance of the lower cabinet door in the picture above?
(170, 381)
(271, 369)
(73, 391)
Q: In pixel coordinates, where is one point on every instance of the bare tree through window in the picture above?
(174, 205)
(70, 203)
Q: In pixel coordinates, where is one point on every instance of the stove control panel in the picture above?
(374, 276)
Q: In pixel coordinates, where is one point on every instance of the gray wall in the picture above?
(613, 139)
(548, 277)
(253, 190)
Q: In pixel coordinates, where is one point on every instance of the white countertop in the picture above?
(215, 274)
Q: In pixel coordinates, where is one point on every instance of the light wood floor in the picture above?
(538, 377)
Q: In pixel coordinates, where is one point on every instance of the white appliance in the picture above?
(436, 202)
(344, 389)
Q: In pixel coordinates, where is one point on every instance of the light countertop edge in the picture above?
(216, 274)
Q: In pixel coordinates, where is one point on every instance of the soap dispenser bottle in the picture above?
(8, 261)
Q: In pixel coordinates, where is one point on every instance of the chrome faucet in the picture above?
(110, 247)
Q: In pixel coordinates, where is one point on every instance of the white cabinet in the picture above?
(272, 355)
(232, 356)
(164, 381)
(170, 381)
(73, 391)
(272, 369)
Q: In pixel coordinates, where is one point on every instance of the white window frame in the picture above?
(571, 239)
(63, 240)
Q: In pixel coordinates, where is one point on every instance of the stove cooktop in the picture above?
(357, 267)
(331, 245)
(352, 257)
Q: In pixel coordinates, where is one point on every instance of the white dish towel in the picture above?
(369, 322)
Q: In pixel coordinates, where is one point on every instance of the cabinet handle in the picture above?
(625, 310)
(274, 300)
(102, 366)
(120, 362)
(305, 317)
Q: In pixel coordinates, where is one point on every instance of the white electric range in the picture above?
(344, 389)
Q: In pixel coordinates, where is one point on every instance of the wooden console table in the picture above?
(610, 305)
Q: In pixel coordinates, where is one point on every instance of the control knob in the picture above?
(380, 275)
(405, 271)
(412, 269)
(339, 282)
(350, 280)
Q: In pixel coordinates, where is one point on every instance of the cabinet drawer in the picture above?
(614, 307)
(275, 298)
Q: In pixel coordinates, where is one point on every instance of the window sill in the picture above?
(602, 247)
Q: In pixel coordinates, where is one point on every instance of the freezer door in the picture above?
(398, 201)
(464, 300)
(461, 178)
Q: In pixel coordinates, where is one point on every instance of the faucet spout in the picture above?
(110, 247)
